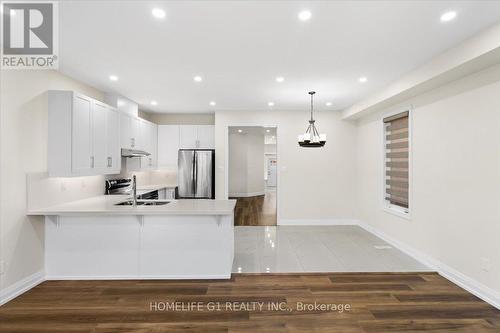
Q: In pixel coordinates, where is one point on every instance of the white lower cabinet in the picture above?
(139, 247)
(83, 136)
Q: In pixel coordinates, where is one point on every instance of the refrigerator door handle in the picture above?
(195, 173)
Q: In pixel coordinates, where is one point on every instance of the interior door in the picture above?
(203, 174)
(82, 135)
(186, 174)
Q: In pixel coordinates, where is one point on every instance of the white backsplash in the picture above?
(44, 191)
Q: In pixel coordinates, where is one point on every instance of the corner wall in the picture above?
(455, 180)
(23, 149)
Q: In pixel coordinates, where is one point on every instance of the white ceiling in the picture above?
(240, 47)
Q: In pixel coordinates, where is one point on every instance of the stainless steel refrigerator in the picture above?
(196, 174)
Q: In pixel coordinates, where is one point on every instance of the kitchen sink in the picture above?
(143, 203)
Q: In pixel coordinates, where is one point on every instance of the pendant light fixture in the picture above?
(311, 138)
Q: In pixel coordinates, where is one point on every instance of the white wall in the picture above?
(246, 157)
(455, 191)
(23, 149)
(314, 184)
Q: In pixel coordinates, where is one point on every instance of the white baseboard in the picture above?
(474, 287)
(310, 222)
(21, 287)
(246, 195)
(138, 277)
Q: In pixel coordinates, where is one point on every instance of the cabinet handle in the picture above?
(110, 162)
(92, 161)
(132, 142)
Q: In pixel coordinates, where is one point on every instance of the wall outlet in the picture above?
(485, 264)
(2, 267)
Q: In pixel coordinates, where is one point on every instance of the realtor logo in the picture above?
(29, 35)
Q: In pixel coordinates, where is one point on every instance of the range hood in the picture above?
(134, 153)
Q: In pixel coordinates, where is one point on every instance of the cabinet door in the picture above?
(113, 141)
(82, 135)
(153, 139)
(99, 137)
(188, 136)
(206, 136)
(125, 131)
(135, 131)
(168, 145)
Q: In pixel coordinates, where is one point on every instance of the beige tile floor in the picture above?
(287, 249)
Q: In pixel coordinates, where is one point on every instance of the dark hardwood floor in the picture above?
(378, 303)
(256, 211)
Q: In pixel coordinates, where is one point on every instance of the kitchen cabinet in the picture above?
(149, 138)
(206, 136)
(197, 136)
(188, 136)
(168, 146)
(130, 131)
(83, 136)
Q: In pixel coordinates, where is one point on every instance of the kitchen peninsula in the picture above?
(96, 239)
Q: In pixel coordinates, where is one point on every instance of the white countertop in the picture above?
(105, 205)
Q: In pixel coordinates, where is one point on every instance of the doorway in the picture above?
(252, 174)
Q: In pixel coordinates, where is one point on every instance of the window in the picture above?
(397, 153)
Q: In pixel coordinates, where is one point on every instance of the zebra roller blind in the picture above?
(397, 160)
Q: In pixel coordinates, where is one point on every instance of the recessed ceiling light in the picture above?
(158, 13)
(239, 131)
(363, 79)
(212, 103)
(328, 103)
(448, 16)
(113, 78)
(270, 104)
(197, 78)
(304, 15)
(268, 131)
(280, 79)
(154, 103)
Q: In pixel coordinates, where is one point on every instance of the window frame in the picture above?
(386, 205)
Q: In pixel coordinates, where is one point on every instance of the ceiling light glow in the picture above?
(363, 79)
(154, 103)
(304, 15)
(113, 78)
(328, 103)
(158, 13)
(448, 16)
(212, 103)
(239, 131)
(280, 79)
(197, 78)
(270, 104)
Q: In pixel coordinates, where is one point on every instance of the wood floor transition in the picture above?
(256, 211)
(357, 303)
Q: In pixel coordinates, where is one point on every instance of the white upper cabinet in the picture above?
(79, 109)
(99, 137)
(196, 136)
(168, 146)
(80, 140)
(113, 160)
(206, 136)
(188, 136)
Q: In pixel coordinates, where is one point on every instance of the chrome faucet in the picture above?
(134, 189)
